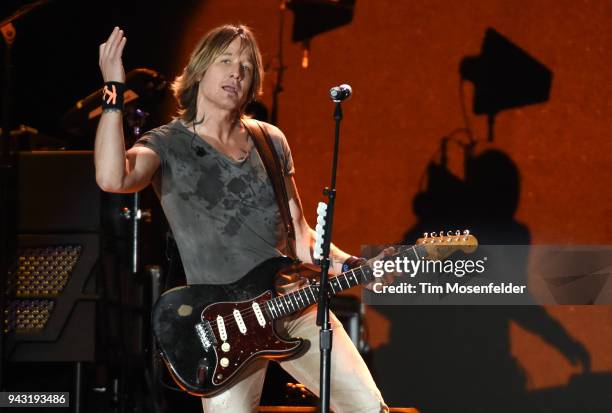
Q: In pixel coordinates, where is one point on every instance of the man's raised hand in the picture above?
(110, 57)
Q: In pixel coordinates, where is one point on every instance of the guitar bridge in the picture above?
(205, 334)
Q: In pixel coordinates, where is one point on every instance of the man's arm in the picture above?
(117, 171)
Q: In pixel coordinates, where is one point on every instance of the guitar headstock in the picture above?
(440, 246)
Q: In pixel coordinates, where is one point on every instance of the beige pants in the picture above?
(352, 387)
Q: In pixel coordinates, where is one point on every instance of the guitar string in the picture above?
(249, 313)
(230, 320)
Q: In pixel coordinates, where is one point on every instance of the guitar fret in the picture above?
(355, 279)
(279, 306)
(360, 276)
(300, 295)
(366, 273)
(270, 309)
(297, 304)
(295, 297)
(288, 299)
(280, 303)
(292, 297)
(331, 284)
(314, 299)
(348, 284)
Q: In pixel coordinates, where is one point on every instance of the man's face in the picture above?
(228, 79)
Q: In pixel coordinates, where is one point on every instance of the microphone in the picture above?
(340, 93)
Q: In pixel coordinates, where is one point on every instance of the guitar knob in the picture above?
(224, 362)
(225, 347)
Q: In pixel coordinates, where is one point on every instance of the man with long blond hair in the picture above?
(219, 201)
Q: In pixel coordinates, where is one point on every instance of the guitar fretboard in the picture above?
(293, 302)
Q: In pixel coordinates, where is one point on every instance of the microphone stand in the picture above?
(325, 334)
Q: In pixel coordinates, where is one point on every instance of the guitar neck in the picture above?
(293, 302)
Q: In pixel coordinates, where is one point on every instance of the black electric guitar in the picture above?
(208, 334)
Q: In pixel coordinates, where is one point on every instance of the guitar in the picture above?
(208, 334)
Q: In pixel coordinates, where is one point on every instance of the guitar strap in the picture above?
(276, 173)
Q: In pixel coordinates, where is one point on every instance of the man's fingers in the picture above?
(111, 43)
(117, 49)
(121, 46)
(389, 251)
(102, 47)
(112, 35)
(112, 48)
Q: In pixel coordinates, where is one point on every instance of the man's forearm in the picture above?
(109, 155)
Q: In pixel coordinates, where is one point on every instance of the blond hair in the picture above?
(214, 43)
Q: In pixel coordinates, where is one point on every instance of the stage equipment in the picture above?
(314, 17)
(504, 77)
(144, 87)
(69, 297)
(322, 251)
(8, 156)
(27, 138)
(340, 93)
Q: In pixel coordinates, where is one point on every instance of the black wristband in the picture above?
(353, 262)
(112, 95)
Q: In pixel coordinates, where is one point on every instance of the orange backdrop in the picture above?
(402, 59)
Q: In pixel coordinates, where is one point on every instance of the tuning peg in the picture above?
(425, 234)
(434, 234)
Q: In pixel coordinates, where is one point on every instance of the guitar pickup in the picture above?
(205, 334)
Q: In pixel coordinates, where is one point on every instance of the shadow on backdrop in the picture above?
(504, 77)
(458, 358)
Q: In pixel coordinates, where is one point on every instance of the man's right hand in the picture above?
(110, 57)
